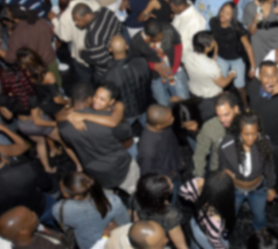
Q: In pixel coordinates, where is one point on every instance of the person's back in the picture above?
(37, 37)
(100, 151)
(158, 148)
(20, 182)
(87, 222)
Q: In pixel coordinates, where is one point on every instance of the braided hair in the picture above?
(249, 117)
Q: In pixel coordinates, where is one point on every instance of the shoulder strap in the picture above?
(61, 215)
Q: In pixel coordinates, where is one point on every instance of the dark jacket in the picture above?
(228, 159)
(132, 77)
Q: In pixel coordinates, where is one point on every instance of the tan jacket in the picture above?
(208, 142)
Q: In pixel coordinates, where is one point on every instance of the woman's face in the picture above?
(226, 14)
(249, 134)
(102, 99)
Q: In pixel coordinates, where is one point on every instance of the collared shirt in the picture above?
(265, 94)
(66, 30)
(202, 70)
(188, 23)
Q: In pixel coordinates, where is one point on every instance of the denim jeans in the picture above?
(257, 201)
(142, 119)
(201, 240)
(238, 65)
(83, 74)
(162, 92)
(47, 217)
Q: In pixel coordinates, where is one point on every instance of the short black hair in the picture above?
(153, 27)
(81, 92)
(228, 98)
(81, 9)
(267, 63)
(201, 40)
(179, 2)
(112, 88)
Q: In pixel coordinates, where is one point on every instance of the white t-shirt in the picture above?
(201, 71)
(247, 169)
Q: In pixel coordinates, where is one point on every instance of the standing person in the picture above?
(214, 201)
(212, 133)
(101, 26)
(205, 78)
(151, 202)
(88, 209)
(209, 8)
(261, 20)
(19, 226)
(262, 93)
(230, 36)
(187, 21)
(132, 23)
(158, 148)
(247, 156)
(67, 31)
(132, 77)
(157, 9)
(34, 33)
(161, 45)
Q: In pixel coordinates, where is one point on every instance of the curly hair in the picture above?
(249, 117)
(152, 192)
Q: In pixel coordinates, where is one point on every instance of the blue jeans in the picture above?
(257, 201)
(47, 217)
(201, 240)
(162, 92)
(238, 65)
(142, 119)
(84, 74)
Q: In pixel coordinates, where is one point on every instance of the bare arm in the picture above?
(147, 12)
(249, 51)
(253, 27)
(17, 148)
(6, 113)
(215, 52)
(224, 81)
(36, 118)
(108, 121)
(177, 237)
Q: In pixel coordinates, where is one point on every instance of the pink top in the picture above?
(211, 226)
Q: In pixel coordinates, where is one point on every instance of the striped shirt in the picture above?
(97, 39)
(211, 226)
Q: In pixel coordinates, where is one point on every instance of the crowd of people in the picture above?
(148, 79)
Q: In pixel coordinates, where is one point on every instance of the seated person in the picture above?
(151, 202)
(263, 239)
(215, 203)
(87, 209)
(159, 150)
(99, 149)
(19, 226)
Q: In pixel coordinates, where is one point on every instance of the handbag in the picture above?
(69, 235)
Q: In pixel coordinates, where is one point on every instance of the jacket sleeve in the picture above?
(221, 158)
(269, 171)
(202, 150)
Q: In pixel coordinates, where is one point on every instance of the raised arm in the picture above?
(147, 12)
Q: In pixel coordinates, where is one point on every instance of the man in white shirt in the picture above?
(187, 21)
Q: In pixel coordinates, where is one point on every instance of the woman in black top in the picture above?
(232, 39)
(151, 202)
(158, 9)
(247, 156)
(21, 96)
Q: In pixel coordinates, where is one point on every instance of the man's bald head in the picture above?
(147, 235)
(158, 115)
(118, 44)
(17, 222)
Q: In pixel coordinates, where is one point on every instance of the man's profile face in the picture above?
(269, 78)
(102, 99)
(174, 8)
(80, 21)
(226, 114)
